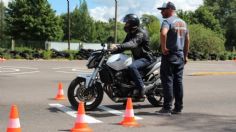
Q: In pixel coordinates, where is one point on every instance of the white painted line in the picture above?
(82, 72)
(8, 69)
(20, 67)
(22, 73)
(80, 69)
(73, 113)
(115, 112)
(65, 72)
(56, 68)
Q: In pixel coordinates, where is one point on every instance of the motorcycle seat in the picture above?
(149, 67)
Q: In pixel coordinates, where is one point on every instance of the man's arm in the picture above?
(133, 43)
(163, 38)
(186, 47)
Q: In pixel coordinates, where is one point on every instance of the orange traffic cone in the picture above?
(80, 124)
(14, 122)
(129, 119)
(60, 94)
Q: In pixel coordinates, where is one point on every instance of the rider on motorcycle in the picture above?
(137, 41)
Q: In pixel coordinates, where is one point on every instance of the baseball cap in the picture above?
(168, 5)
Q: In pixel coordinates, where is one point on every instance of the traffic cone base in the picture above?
(60, 97)
(80, 123)
(82, 127)
(129, 120)
(13, 129)
(60, 94)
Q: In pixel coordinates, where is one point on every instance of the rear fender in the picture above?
(156, 69)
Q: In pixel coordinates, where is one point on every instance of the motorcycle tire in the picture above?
(156, 99)
(74, 98)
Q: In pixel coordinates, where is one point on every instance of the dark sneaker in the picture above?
(164, 112)
(176, 111)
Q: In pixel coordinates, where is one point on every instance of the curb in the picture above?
(212, 73)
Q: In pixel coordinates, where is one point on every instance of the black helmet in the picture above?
(133, 21)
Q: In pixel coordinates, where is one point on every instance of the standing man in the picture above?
(175, 46)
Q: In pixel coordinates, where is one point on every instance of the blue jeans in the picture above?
(172, 81)
(134, 71)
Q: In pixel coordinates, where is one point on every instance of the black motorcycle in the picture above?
(111, 75)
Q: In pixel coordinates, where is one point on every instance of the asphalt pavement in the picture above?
(209, 99)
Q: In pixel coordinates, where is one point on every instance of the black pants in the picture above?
(172, 81)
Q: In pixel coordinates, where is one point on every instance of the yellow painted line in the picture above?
(212, 73)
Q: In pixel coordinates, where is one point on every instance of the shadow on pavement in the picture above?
(197, 121)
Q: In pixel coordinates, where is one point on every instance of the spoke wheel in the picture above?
(77, 92)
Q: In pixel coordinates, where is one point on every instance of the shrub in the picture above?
(205, 41)
(47, 54)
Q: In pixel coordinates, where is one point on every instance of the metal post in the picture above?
(68, 15)
(1, 37)
(115, 33)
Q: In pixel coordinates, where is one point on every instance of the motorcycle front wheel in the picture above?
(92, 97)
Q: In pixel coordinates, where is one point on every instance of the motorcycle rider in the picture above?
(137, 41)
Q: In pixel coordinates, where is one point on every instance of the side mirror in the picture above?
(110, 39)
(103, 44)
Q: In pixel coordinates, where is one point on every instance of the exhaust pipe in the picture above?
(153, 85)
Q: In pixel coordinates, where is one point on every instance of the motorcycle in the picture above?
(110, 75)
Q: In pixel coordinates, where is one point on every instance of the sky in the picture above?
(104, 9)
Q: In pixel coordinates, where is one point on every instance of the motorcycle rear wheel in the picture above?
(91, 97)
(156, 98)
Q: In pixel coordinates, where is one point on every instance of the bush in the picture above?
(47, 54)
(205, 41)
(223, 56)
(71, 54)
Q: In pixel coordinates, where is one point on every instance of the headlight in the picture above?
(91, 62)
(94, 59)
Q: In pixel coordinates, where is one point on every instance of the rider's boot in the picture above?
(144, 90)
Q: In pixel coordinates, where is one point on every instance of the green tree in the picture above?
(152, 24)
(64, 18)
(120, 30)
(224, 11)
(102, 31)
(2, 23)
(231, 32)
(203, 16)
(83, 23)
(32, 20)
(187, 16)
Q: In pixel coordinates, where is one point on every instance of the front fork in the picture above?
(93, 77)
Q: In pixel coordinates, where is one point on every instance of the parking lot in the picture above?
(209, 99)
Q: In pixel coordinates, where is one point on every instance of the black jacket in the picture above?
(138, 43)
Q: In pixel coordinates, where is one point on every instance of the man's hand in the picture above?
(113, 47)
(165, 51)
(185, 60)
